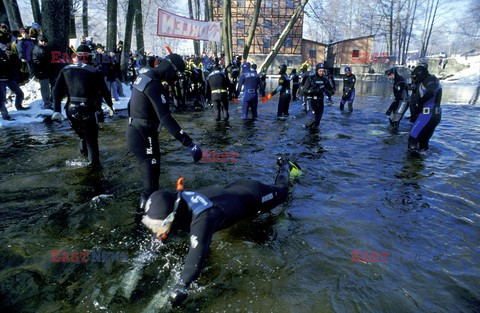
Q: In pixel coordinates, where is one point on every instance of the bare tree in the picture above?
(13, 13)
(37, 16)
(226, 36)
(196, 15)
(127, 42)
(71, 25)
(429, 28)
(3, 14)
(112, 6)
(84, 17)
(139, 26)
(271, 56)
(251, 30)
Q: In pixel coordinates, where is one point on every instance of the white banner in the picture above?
(172, 25)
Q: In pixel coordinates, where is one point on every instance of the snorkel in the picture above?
(167, 222)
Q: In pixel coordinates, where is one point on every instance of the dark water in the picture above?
(361, 191)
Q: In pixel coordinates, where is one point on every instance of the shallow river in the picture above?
(361, 191)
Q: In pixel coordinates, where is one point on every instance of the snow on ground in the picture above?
(35, 113)
(469, 75)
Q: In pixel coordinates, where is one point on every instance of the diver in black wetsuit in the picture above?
(148, 109)
(84, 87)
(425, 108)
(331, 80)
(217, 91)
(284, 89)
(295, 84)
(314, 90)
(348, 89)
(208, 210)
(400, 93)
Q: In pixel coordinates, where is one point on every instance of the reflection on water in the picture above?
(361, 191)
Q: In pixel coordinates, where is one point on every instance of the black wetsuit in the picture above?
(295, 85)
(84, 87)
(331, 80)
(426, 109)
(214, 208)
(217, 89)
(147, 110)
(285, 95)
(399, 105)
(314, 90)
(348, 92)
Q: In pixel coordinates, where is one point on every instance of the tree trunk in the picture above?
(411, 26)
(271, 56)
(3, 14)
(111, 24)
(37, 16)
(72, 32)
(196, 43)
(55, 19)
(13, 13)
(127, 41)
(85, 18)
(213, 43)
(139, 27)
(431, 27)
(251, 29)
(390, 29)
(225, 35)
(229, 29)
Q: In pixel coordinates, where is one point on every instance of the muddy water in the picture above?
(361, 191)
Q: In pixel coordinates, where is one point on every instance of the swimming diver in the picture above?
(208, 210)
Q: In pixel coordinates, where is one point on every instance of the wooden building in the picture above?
(351, 51)
(274, 16)
(313, 52)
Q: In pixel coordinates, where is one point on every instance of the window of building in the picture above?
(267, 24)
(241, 43)
(290, 4)
(268, 3)
(355, 53)
(241, 3)
(266, 43)
(312, 53)
(240, 24)
(220, 3)
(288, 43)
(289, 63)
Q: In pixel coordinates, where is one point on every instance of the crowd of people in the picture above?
(162, 84)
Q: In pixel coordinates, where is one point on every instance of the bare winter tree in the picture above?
(127, 42)
(112, 6)
(139, 26)
(271, 56)
(3, 14)
(37, 16)
(226, 36)
(56, 19)
(251, 30)
(432, 13)
(13, 13)
(84, 17)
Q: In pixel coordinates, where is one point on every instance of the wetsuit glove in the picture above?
(110, 110)
(235, 100)
(263, 99)
(269, 96)
(177, 295)
(57, 116)
(196, 152)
